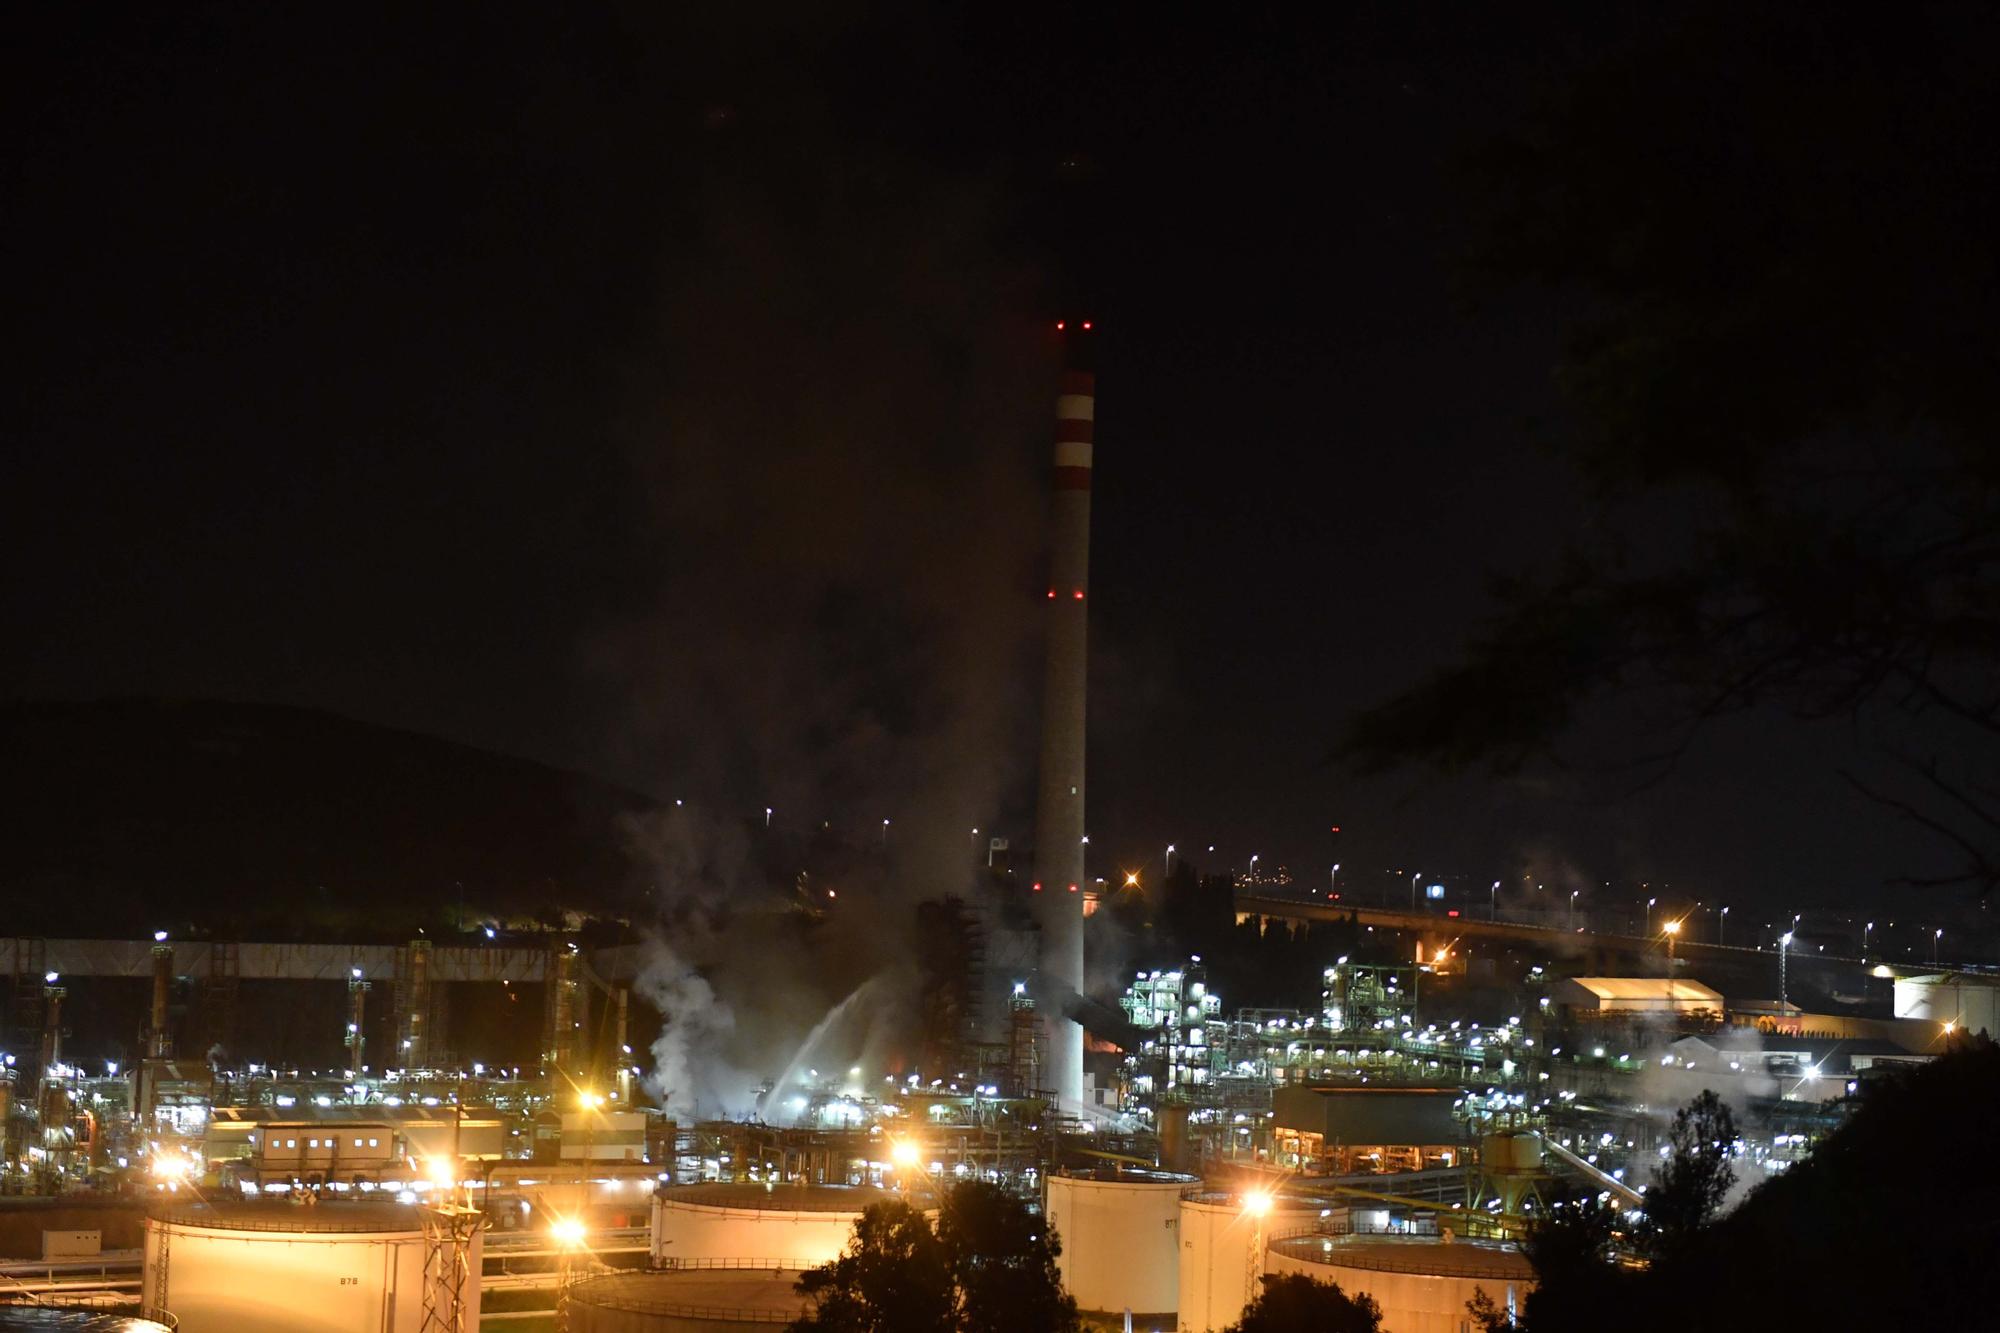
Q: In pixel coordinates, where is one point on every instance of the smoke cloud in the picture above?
(836, 437)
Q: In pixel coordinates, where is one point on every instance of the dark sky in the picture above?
(666, 398)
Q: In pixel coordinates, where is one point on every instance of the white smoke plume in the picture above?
(838, 436)
(689, 1073)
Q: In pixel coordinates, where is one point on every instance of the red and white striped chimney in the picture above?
(1059, 826)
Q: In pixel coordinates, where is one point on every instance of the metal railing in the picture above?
(1426, 1264)
(318, 1219)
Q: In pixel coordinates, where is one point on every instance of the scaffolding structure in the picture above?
(449, 1231)
(562, 1014)
(30, 964)
(413, 1003)
(220, 990)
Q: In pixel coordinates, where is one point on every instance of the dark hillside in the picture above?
(126, 816)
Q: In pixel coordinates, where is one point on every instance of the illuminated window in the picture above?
(291, 1143)
(357, 1143)
(372, 1143)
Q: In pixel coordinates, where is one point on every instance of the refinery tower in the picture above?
(1059, 827)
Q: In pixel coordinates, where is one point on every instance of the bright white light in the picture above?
(1257, 1203)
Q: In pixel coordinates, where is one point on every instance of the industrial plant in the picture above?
(1458, 1065)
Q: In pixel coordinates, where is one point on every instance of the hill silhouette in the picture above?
(125, 816)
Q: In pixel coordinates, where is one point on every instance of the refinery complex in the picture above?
(1456, 1063)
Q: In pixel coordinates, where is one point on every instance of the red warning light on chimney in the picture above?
(1078, 594)
(1038, 886)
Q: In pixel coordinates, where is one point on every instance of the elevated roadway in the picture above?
(1556, 941)
(310, 962)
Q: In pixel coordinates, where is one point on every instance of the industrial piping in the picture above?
(1059, 827)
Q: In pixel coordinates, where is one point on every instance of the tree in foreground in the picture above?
(894, 1277)
(1888, 1224)
(1295, 1303)
(989, 1266)
(1775, 223)
(1688, 1190)
(1003, 1259)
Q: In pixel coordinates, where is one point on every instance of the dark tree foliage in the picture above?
(1004, 1261)
(988, 1266)
(1889, 1224)
(1779, 222)
(1691, 1184)
(1573, 1248)
(1294, 1303)
(895, 1277)
(1488, 1315)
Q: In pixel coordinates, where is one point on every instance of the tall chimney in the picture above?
(1059, 828)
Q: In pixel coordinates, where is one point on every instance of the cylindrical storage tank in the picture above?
(284, 1268)
(1121, 1241)
(794, 1226)
(1421, 1282)
(685, 1300)
(51, 1319)
(1516, 1152)
(1217, 1230)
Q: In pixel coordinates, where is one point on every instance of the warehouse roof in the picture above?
(1656, 990)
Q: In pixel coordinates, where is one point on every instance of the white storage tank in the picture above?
(1121, 1240)
(1421, 1282)
(256, 1267)
(1217, 1230)
(797, 1226)
(685, 1300)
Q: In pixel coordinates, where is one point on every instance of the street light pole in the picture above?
(1935, 940)
(1413, 889)
(1866, 931)
(1784, 947)
(1572, 907)
(1721, 925)
(1649, 914)
(1493, 902)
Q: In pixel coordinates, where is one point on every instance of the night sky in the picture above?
(667, 397)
